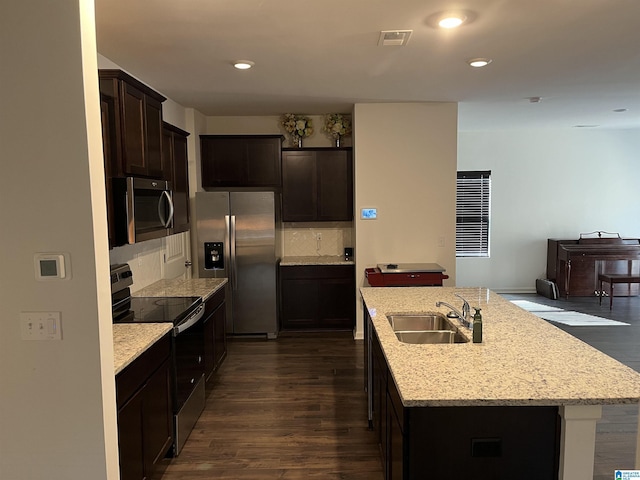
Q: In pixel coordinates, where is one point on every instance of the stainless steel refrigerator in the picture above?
(237, 236)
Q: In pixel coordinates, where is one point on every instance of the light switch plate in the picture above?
(40, 326)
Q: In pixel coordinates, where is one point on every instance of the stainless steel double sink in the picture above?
(428, 328)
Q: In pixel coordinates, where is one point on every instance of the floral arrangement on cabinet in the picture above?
(337, 125)
(298, 126)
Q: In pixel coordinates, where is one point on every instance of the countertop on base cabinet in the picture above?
(177, 287)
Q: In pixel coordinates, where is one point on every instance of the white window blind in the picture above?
(473, 207)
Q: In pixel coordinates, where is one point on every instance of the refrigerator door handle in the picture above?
(234, 270)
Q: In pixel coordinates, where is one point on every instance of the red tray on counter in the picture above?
(404, 279)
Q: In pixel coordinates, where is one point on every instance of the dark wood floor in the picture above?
(291, 408)
(295, 408)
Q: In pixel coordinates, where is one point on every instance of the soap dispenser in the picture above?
(477, 326)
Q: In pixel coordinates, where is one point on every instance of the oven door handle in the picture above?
(189, 321)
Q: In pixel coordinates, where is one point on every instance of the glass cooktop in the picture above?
(159, 309)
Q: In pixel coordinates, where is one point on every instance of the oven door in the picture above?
(189, 391)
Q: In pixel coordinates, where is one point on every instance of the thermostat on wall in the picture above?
(369, 213)
(51, 266)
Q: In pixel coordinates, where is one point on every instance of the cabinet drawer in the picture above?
(135, 374)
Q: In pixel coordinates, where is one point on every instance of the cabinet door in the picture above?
(263, 162)
(335, 185)
(395, 459)
(299, 305)
(180, 184)
(299, 186)
(134, 162)
(107, 109)
(337, 304)
(209, 337)
(156, 167)
(222, 161)
(157, 420)
(220, 335)
(130, 439)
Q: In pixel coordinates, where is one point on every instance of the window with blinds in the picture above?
(473, 207)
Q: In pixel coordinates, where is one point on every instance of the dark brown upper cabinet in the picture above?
(174, 152)
(240, 160)
(138, 126)
(317, 184)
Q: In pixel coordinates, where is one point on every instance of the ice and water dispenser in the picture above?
(213, 255)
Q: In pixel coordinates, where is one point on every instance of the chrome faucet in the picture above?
(464, 316)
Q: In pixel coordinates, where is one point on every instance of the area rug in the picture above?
(535, 307)
(576, 319)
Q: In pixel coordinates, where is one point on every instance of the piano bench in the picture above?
(612, 279)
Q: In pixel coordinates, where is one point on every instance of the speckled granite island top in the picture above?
(314, 260)
(523, 359)
(193, 287)
(130, 340)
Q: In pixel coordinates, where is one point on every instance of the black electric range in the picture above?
(187, 345)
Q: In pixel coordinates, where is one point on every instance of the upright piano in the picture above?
(574, 265)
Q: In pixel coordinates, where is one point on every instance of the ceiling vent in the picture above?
(394, 38)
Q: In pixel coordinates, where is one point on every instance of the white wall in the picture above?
(270, 125)
(405, 166)
(549, 184)
(57, 400)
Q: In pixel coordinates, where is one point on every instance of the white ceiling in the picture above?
(312, 57)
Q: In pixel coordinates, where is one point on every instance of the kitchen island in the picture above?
(524, 365)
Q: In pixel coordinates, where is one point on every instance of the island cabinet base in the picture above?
(483, 443)
(479, 442)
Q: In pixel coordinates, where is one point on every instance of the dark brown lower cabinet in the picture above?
(145, 429)
(483, 443)
(215, 332)
(317, 297)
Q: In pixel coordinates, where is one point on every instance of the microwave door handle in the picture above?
(166, 222)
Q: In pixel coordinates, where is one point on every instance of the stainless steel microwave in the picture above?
(143, 209)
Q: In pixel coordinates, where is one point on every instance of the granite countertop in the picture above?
(193, 287)
(523, 359)
(315, 260)
(130, 340)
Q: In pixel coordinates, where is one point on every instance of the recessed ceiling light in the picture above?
(620, 110)
(452, 21)
(586, 126)
(243, 64)
(535, 99)
(451, 18)
(479, 62)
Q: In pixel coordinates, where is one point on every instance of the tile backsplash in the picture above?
(301, 239)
